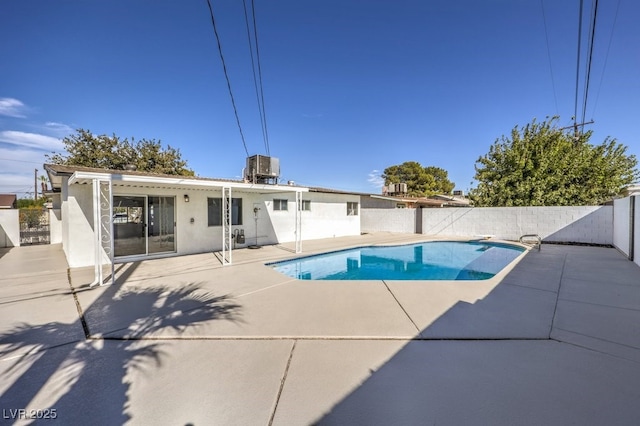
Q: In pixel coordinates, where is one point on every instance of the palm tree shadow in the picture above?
(90, 380)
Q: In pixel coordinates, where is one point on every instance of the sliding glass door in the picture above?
(129, 226)
(161, 224)
(143, 225)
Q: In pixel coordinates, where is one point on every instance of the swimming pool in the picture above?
(434, 260)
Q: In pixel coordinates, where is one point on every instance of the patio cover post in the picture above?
(298, 225)
(226, 226)
(102, 228)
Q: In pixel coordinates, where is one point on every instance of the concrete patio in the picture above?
(183, 340)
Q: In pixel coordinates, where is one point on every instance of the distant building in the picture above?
(8, 201)
(371, 201)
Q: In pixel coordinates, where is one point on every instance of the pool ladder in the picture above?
(538, 242)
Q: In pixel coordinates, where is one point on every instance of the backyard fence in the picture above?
(626, 226)
(34, 226)
(584, 224)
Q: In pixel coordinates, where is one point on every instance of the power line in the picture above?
(226, 75)
(575, 113)
(606, 58)
(594, 16)
(20, 161)
(546, 35)
(255, 33)
(261, 111)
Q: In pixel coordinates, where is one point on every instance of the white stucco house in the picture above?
(111, 216)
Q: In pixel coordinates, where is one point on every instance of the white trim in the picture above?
(79, 177)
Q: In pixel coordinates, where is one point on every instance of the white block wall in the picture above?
(9, 228)
(636, 234)
(590, 224)
(389, 220)
(621, 222)
(55, 226)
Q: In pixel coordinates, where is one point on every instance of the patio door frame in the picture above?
(145, 218)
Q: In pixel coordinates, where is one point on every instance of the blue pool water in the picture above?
(435, 260)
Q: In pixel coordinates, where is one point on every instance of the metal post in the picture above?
(298, 230)
(97, 235)
(102, 228)
(226, 226)
(106, 223)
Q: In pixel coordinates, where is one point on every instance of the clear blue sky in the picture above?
(351, 87)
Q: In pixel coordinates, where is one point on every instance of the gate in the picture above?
(34, 226)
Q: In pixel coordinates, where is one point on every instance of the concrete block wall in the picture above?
(389, 220)
(9, 228)
(636, 233)
(621, 224)
(584, 224)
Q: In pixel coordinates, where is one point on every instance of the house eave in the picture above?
(81, 177)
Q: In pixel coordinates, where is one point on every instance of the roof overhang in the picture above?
(396, 199)
(128, 180)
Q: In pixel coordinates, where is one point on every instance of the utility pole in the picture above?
(575, 126)
(35, 185)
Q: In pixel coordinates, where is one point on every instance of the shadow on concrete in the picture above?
(481, 364)
(96, 372)
(4, 250)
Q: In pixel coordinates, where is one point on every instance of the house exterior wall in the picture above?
(389, 220)
(327, 218)
(621, 223)
(64, 210)
(77, 235)
(9, 228)
(583, 224)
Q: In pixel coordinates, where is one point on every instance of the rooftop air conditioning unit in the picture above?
(262, 169)
(458, 193)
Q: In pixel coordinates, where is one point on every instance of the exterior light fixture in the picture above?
(186, 198)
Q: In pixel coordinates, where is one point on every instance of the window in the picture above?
(280, 205)
(306, 205)
(214, 211)
(352, 208)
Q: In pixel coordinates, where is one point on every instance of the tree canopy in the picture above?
(110, 152)
(421, 181)
(542, 165)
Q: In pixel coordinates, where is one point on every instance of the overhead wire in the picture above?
(546, 35)
(575, 113)
(20, 161)
(255, 33)
(257, 86)
(226, 75)
(594, 15)
(606, 58)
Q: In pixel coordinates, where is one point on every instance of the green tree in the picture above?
(110, 152)
(421, 181)
(540, 165)
(24, 203)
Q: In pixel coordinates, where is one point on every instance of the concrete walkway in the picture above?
(183, 340)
